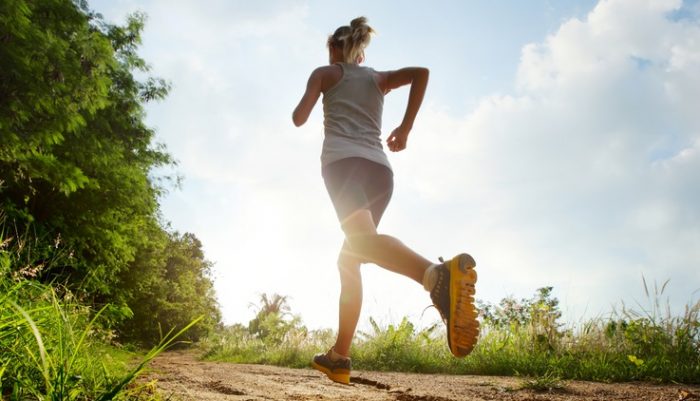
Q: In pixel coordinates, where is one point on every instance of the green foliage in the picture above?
(539, 313)
(76, 156)
(398, 347)
(168, 286)
(54, 72)
(77, 169)
(54, 347)
(272, 328)
(547, 382)
(274, 336)
(273, 322)
(79, 207)
(517, 338)
(628, 346)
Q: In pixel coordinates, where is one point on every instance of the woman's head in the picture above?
(347, 44)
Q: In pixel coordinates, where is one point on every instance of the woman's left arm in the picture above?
(308, 101)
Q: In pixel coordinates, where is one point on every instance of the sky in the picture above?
(558, 143)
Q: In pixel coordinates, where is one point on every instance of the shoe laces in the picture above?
(437, 290)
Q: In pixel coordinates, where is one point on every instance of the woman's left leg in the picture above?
(355, 184)
(350, 303)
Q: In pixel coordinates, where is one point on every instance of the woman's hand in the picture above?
(397, 140)
(417, 77)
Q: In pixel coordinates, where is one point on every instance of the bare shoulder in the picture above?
(327, 76)
(383, 79)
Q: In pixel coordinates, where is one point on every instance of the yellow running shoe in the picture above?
(453, 296)
(338, 371)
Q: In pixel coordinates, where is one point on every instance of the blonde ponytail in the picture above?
(353, 39)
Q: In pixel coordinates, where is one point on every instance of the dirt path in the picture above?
(185, 378)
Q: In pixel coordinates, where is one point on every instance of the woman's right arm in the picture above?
(310, 97)
(418, 78)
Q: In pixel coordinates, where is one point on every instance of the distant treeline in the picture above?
(78, 181)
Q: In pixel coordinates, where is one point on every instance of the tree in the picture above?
(169, 286)
(540, 314)
(54, 72)
(76, 159)
(77, 164)
(272, 321)
(274, 304)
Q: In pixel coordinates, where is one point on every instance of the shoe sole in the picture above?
(342, 376)
(464, 328)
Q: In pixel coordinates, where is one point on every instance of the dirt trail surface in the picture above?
(181, 376)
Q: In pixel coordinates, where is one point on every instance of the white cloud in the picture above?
(227, 62)
(593, 161)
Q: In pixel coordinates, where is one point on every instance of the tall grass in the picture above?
(294, 349)
(52, 346)
(517, 338)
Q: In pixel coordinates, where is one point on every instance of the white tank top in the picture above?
(352, 117)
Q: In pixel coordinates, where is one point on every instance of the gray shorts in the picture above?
(355, 184)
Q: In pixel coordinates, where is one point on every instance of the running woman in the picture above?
(359, 180)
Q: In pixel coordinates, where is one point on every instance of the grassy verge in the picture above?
(295, 349)
(517, 338)
(53, 347)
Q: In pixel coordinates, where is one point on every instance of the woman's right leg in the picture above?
(383, 250)
(452, 291)
(361, 190)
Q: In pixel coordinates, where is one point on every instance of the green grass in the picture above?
(294, 349)
(547, 382)
(649, 346)
(53, 347)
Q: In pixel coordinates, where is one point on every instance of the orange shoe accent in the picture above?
(463, 326)
(341, 376)
(338, 371)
